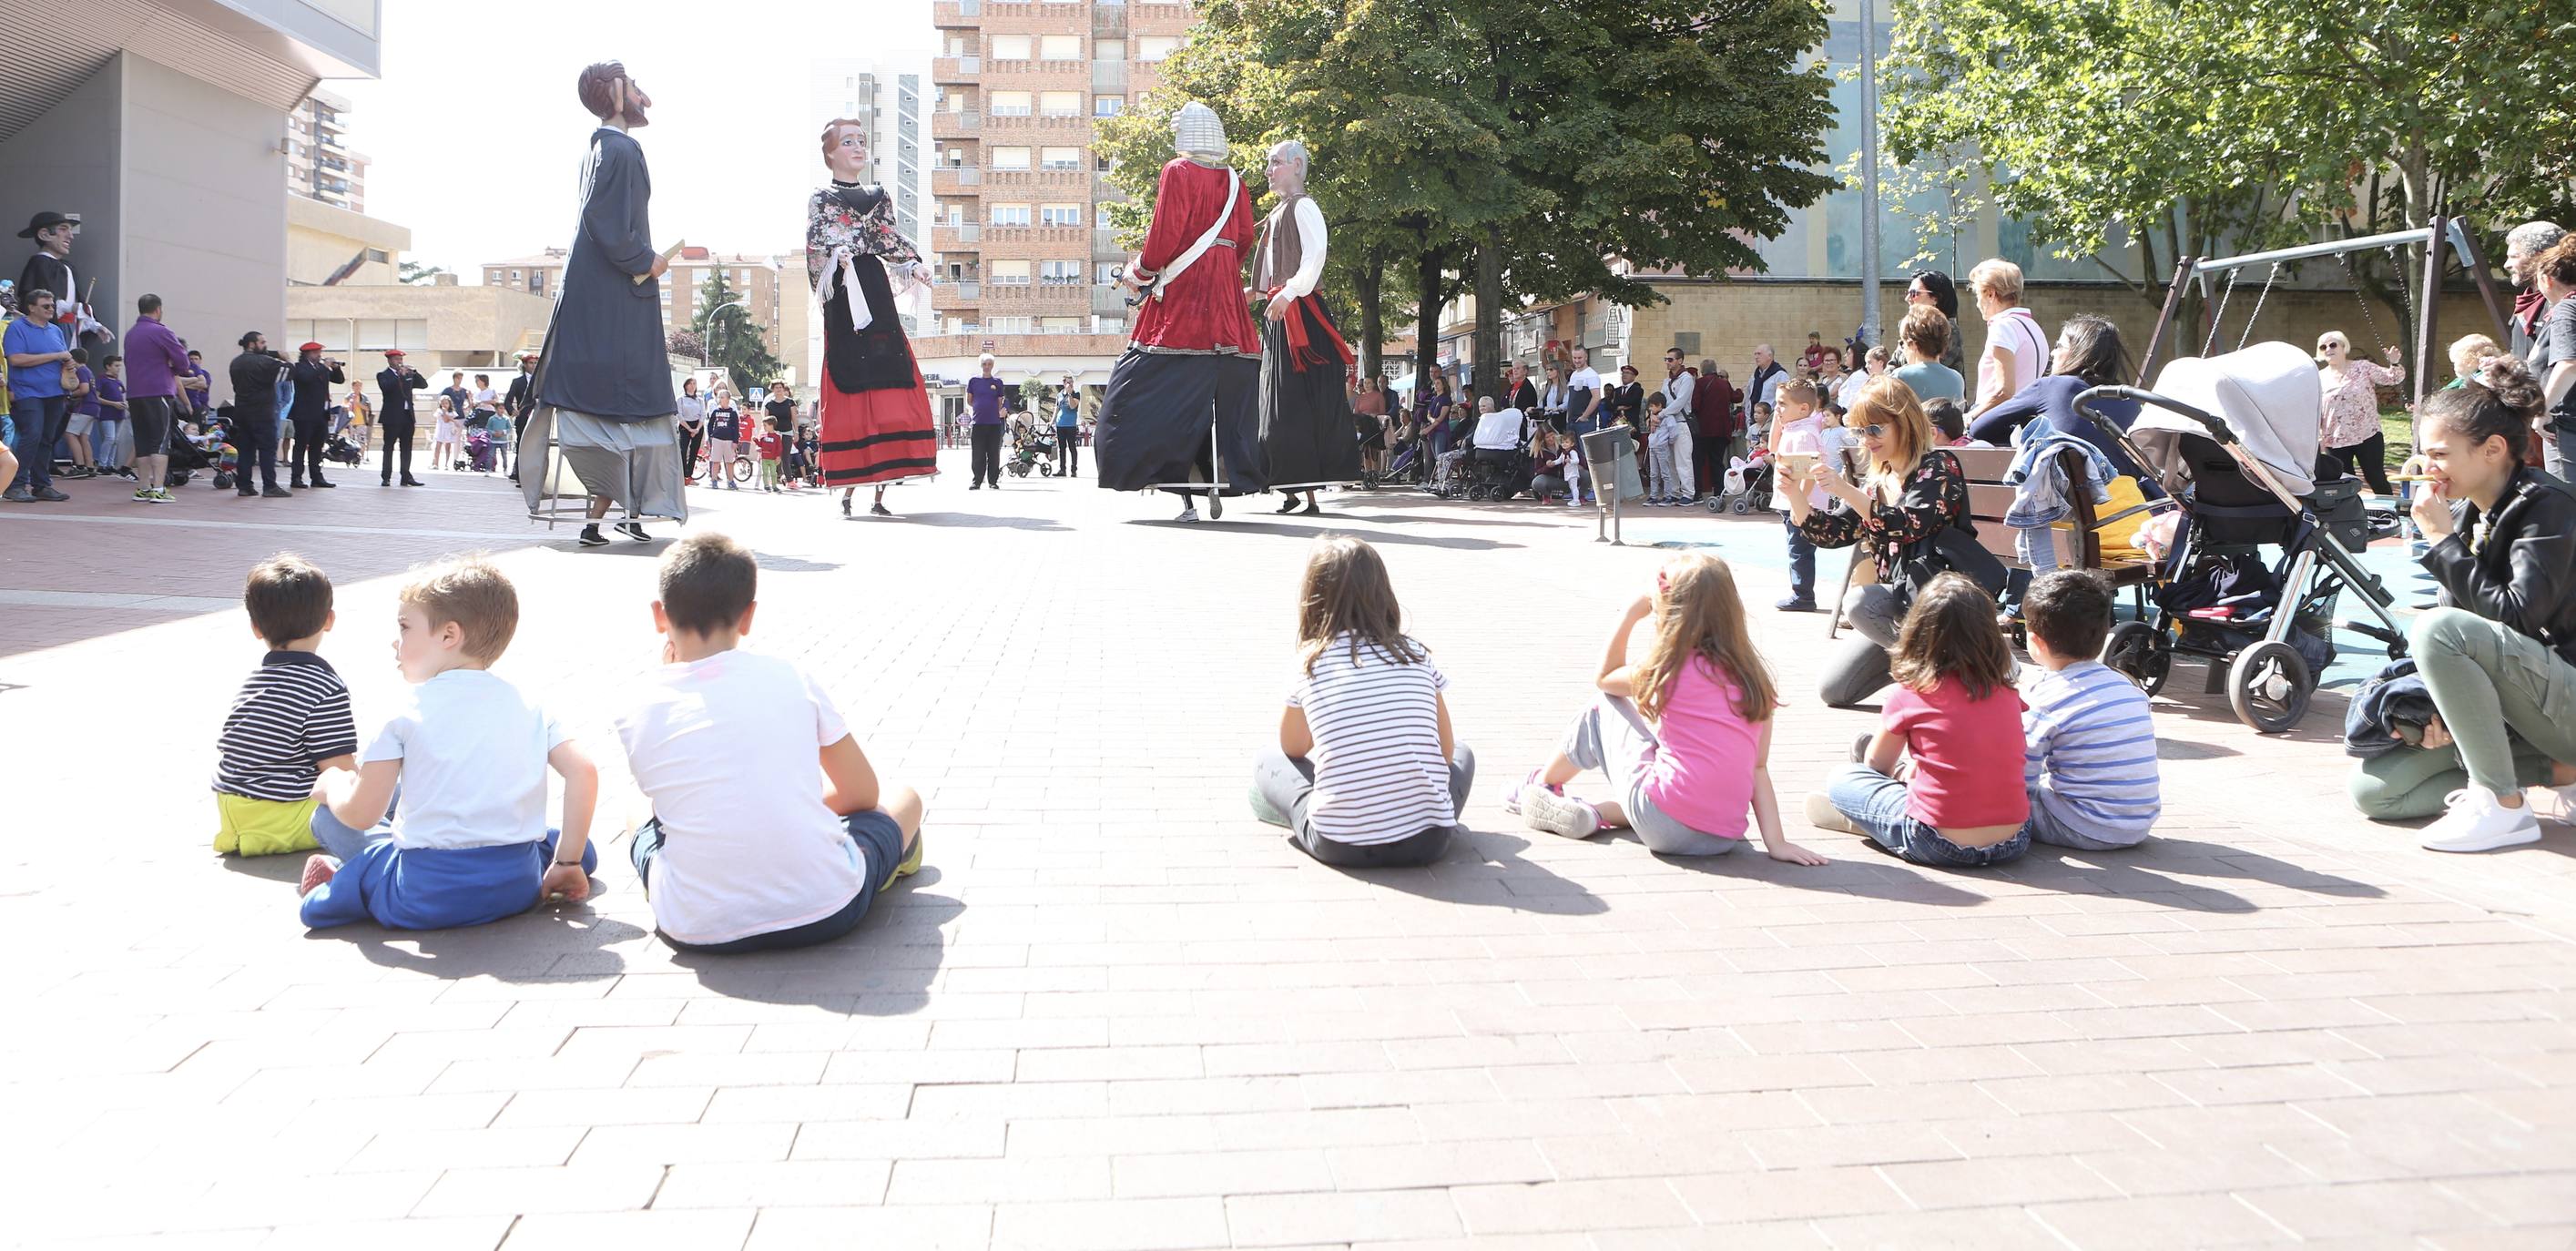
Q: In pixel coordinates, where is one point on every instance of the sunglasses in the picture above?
(1871, 431)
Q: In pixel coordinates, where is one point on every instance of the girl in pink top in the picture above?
(1683, 731)
(1942, 782)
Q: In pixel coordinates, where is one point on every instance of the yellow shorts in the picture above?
(263, 827)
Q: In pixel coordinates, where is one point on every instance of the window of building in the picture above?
(1108, 106)
(1061, 325)
(1010, 158)
(1063, 158)
(1109, 325)
(1061, 273)
(537, 281)
(1007, 273)
(1156, 47)
(1008, 325)
(1060, 103)
(1010, 214)
(1060, 215)
(1008, 103)
(1060, 48)
(1109, 49)
(1009, 47)
(1106, 272)
(492, 277)
(1103, 164)
(514, 275)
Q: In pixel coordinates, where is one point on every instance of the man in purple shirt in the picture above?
(200, 394)
(984, 394)
(155, 360)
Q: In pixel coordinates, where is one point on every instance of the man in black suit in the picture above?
(520, 401)
(309, 413)
(396, 382)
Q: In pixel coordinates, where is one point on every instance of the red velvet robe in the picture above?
(1204, 309)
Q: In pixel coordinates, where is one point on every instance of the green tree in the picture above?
(732, 339)
(2193, 127)
(413, 273)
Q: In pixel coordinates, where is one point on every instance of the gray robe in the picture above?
(606, 419)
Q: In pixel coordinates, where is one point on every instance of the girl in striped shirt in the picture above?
(1368, 771)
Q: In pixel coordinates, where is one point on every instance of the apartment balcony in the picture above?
(1108, 21)
(956, 180)
(1038, 299)
(956, 125)
(962, 237)
(1110, 302)
(1058, 128)
(1067, 236)
(1109, 76)
(956, 294)
(956, 12)
(956, 69)
(1069, 181)
(1103, 189)
(1104, 245)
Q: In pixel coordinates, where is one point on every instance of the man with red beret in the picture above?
(310, 414)
(396, 382)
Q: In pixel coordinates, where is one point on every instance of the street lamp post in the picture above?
(706, 342)
(1869, 316)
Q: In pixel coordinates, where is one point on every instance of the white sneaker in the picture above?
(1544, 809)
(2476, 822)
(1188, 514)
(1512, 801)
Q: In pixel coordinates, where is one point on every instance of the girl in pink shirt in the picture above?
(1683, 730)
(1941, 784)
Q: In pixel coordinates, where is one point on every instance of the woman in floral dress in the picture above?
(2350, 421)
(876, 415)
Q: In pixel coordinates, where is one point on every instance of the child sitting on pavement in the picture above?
(290, 720)
(467, 756)
(1956, 802)
(745, 851)
(1683, 730)
(2090, 761)
(1368, 772)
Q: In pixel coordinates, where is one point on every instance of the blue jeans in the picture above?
(1876, 803)
(342, 843)
(1802, 563)
(881, 848)
(41, 420)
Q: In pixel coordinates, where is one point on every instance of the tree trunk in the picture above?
(1489, 314)
(1371, 286)
(1426, 333)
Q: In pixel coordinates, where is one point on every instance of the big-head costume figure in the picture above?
(1192, 369)
(1307, 435)
(606, 425)
(876, 416)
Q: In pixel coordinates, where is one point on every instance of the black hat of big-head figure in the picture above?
(47, 220)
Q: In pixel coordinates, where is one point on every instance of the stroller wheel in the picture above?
(2140, 653)
(2268, 686)
(1739, 506)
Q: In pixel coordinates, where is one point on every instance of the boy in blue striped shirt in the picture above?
(2089, 754)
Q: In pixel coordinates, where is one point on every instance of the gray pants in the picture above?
(1859, 668)
(2508, 701)
(1613, 736)
(1283, 786)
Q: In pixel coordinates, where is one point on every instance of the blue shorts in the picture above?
(880, 842)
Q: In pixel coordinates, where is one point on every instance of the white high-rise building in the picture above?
(890, 95)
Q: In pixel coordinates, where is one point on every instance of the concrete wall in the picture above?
(321, 238)
(204, 208)
(67, 161)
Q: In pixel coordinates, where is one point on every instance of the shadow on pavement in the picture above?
(549, 943)
(975, 521)
(1853, 870)
(1486, 870)
(2133, 874)
(882, 968)
(1283, 529)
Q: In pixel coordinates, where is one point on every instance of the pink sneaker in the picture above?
(318, 869)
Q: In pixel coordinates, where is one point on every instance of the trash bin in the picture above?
(1610, 465)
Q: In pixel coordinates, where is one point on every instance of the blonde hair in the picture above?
(2470, 351)
(1699, 614)
(1891, 403)
(1998, 278)
(1346, 591)
(472, 592)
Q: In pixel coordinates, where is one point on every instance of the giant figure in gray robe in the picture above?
(605, 407)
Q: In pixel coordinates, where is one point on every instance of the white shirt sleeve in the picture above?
(1310, 242)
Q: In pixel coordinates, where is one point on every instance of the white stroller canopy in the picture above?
(2268, 394)
(1499, 431)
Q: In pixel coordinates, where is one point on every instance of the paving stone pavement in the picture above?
(1115, 1012)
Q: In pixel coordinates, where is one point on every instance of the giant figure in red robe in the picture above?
(1182, 411)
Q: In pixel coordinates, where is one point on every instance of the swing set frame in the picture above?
(2432, 237)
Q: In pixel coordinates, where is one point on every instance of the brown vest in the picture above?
(1283, 246)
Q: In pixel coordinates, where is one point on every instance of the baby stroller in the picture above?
(341, 450)
(478, 449)
(1748, 485)
(1033, 451)
(2234, 438)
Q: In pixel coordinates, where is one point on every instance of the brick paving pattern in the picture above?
(1116, 1012)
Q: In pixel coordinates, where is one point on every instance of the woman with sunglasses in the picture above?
(1933, 289)
(1910, 491)
(2351, 415)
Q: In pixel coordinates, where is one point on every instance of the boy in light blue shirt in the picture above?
(2089, 754)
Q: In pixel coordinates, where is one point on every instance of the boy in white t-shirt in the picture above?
(745, 851)
(465, 762)
(1797, 442)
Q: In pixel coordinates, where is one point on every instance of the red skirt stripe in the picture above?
(877, 436)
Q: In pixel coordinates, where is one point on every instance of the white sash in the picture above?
(1181, 263)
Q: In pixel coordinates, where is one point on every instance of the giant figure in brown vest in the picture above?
(1308, 437)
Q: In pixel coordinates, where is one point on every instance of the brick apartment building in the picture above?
(755, 281)
(1017, 185)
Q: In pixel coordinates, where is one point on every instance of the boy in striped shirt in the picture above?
(2089, 754)
(290, 721)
